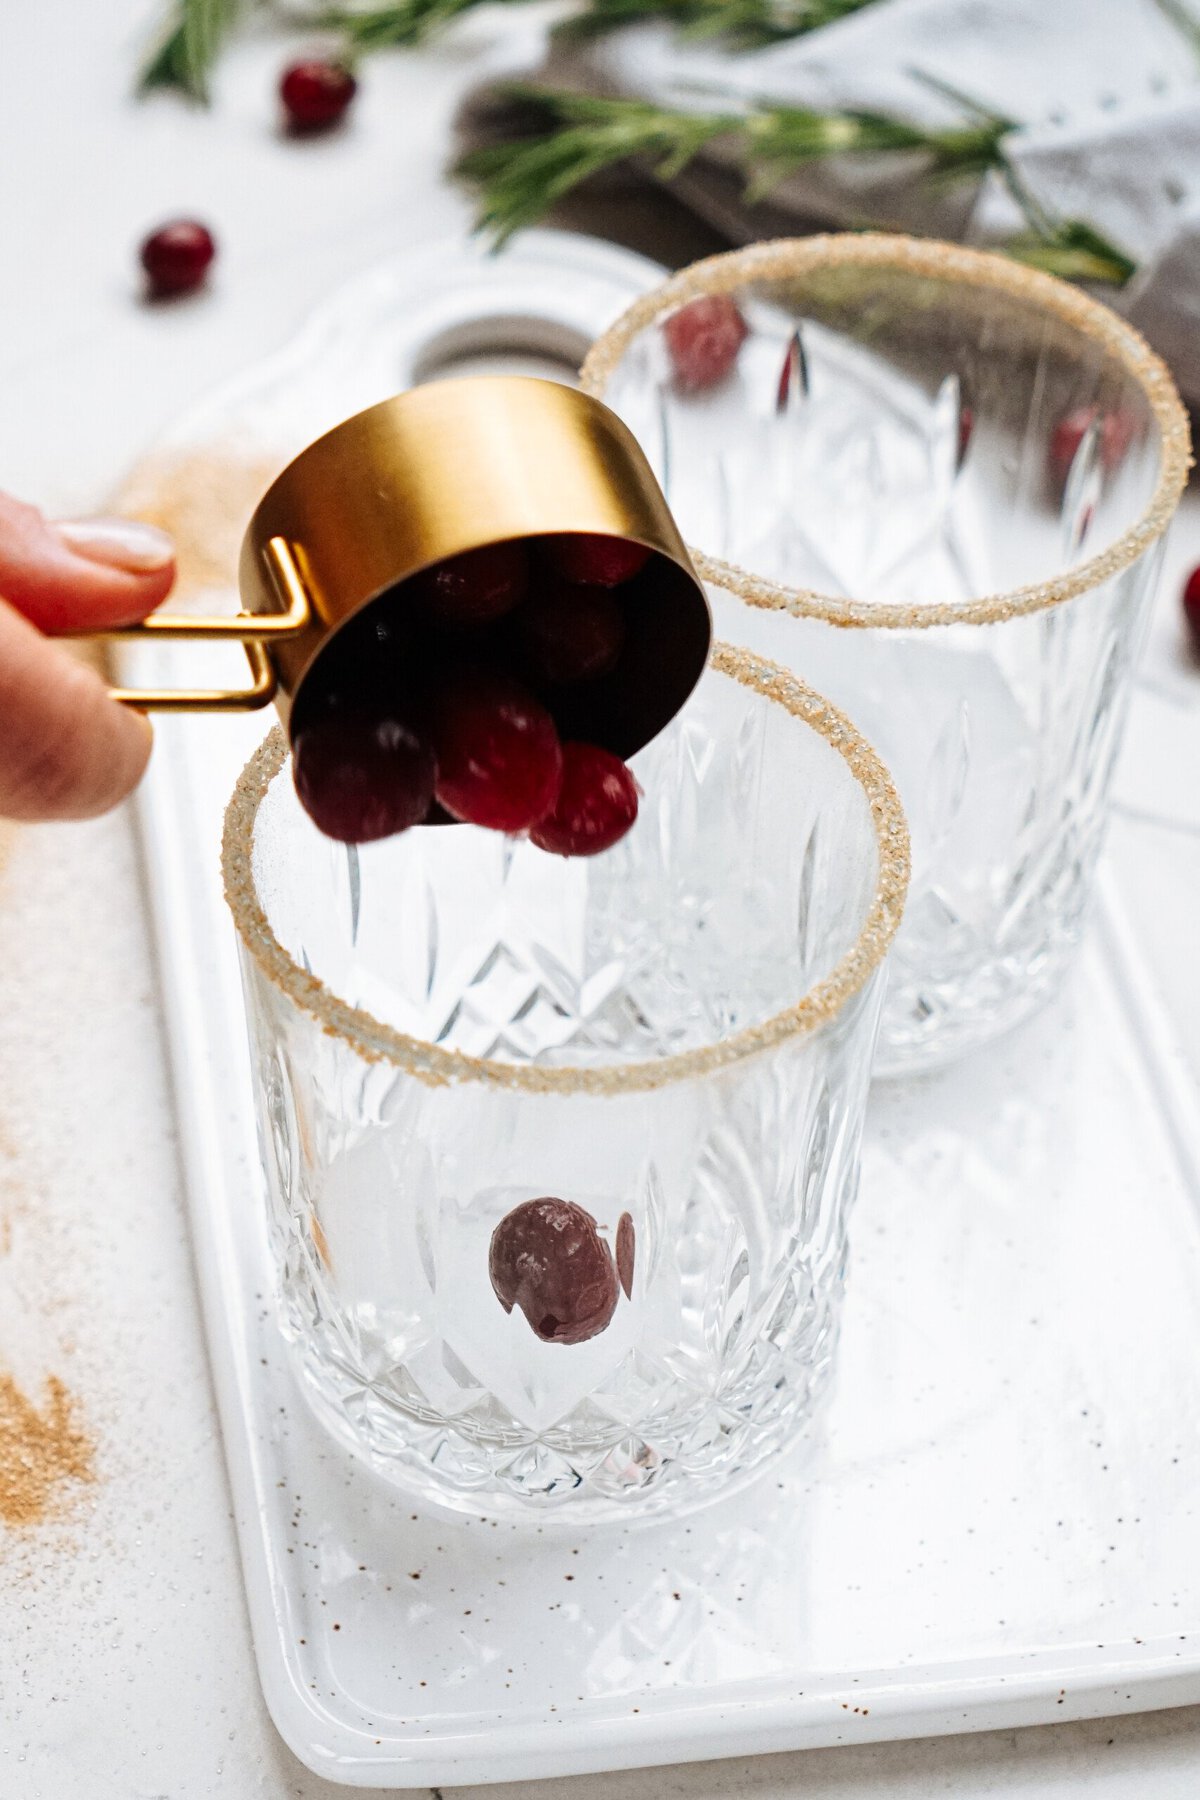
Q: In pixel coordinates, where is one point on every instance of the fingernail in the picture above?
(119, 543)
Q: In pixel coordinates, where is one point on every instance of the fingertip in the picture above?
(80, 575)
(150, 588)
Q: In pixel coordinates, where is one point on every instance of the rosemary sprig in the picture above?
(1070, 248)
(521, 180)
(400, 26)
(1075, 251)
(191, 42)
(744, 24)
(196, 29)
(582, 135)
(780, 139)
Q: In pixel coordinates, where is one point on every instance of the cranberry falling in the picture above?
(597, 804)
(548, 1258)
(499, 761)
(363, 777)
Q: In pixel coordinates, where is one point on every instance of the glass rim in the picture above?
(974, 268)
(374, 1041)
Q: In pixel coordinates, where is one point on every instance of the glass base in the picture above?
(927, 1026)
(569, 1476)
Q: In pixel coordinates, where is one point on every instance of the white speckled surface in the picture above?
(125, 1667)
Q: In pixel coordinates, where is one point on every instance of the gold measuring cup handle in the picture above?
(254, 631)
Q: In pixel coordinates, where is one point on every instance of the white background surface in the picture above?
(125, 1666)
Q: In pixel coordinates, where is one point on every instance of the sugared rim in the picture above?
(784, 257)
(376, 1042)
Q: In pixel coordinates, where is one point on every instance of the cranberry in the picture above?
(498, 755)
(362, 777)
(476, 587)
(626, 1244)
(966, 425)
(572, 633)
(315, 94)
(547, 1257)
(597, 804)
(176, 257)
(1116, 435)
(1191, 607)
(596, 561)
(703, 340)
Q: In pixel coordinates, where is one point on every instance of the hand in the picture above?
(66, 750)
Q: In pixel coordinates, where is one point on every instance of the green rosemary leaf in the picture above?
(746, 24)
(780, 139)
(192, 39)
(1075, 251)
(404, 25)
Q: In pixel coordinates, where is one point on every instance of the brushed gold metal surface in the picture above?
(261, 692)
(445, 468)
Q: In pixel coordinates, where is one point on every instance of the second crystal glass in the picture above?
(935, 484)
(667, 1046)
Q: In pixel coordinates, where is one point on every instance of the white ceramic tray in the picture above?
(997, 1522)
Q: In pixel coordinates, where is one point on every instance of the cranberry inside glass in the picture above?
(703, 340)
(548, 1258)
(1191, 608)
(1113, 431)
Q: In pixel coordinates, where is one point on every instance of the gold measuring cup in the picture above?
(448, 467)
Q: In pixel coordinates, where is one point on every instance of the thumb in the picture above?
(66, 750)
(83, 574)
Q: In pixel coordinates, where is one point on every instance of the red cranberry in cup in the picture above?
(703, 340)
(571, 633)
(362, 776)
(475, 588)
(1191, 608)
(315, 94)
(499, 761)
(597, 804)
(1116, 430)
(547, 1257)
(594, 560)
(177, 257)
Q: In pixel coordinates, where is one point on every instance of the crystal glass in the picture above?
(935, 484)
(674, 1037)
